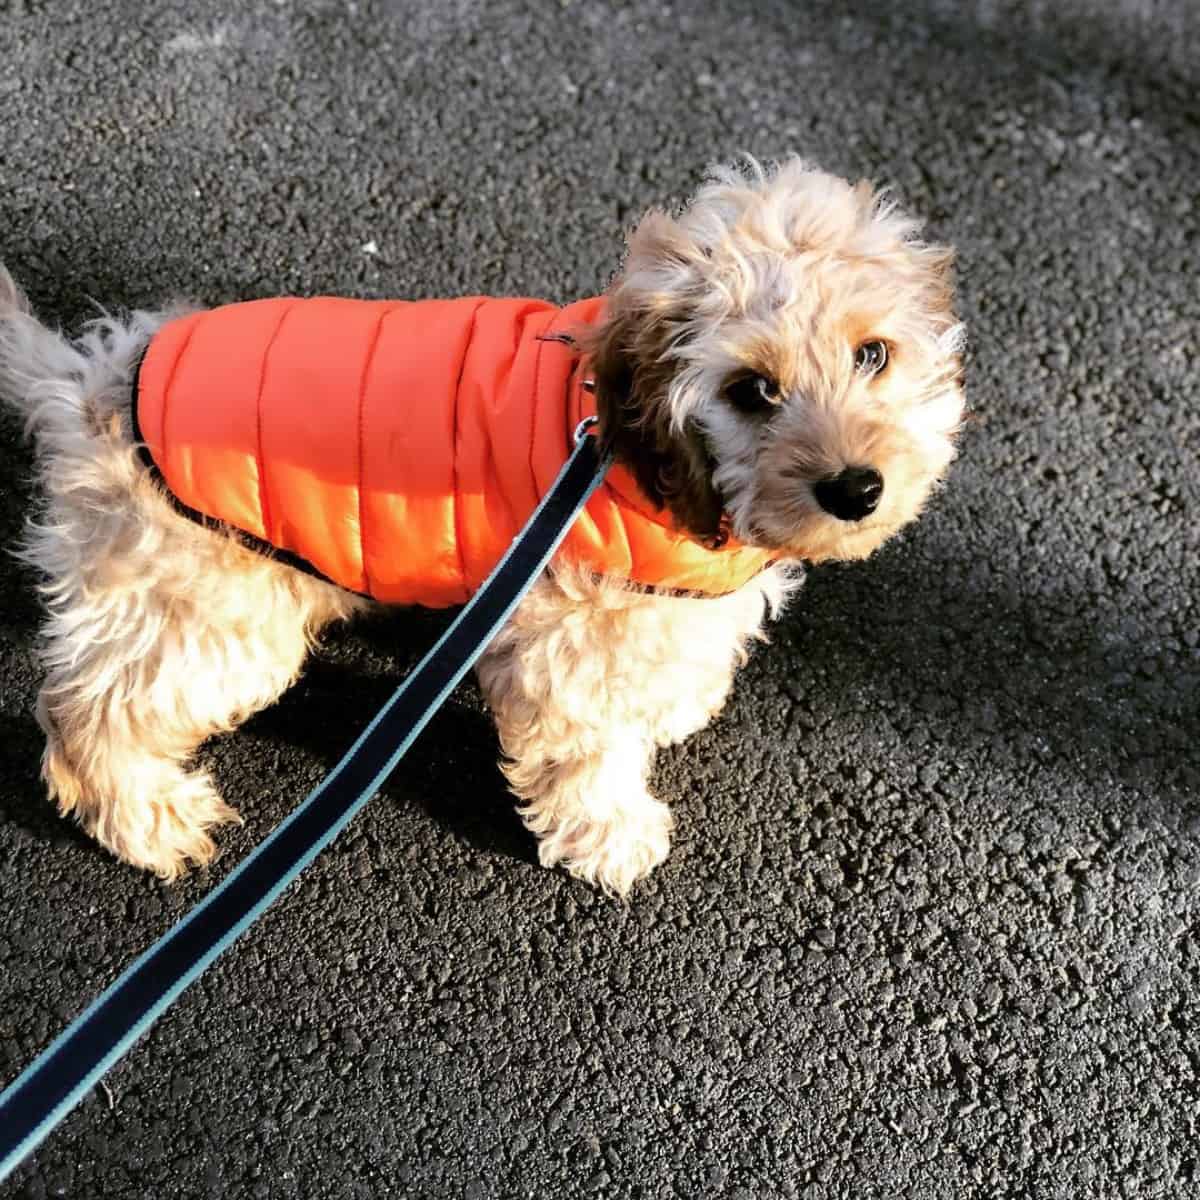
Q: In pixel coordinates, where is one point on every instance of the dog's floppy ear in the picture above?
(928, 266)
(635, 357)
(936, 267)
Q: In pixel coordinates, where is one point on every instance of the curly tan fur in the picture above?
(160, 633)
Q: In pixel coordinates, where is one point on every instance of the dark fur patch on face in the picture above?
(633, 368)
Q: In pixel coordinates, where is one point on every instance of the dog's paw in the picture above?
(613, 853)
(158, 820)
(181, 838)
(177, 849)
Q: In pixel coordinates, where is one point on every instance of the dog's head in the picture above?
(783, 359)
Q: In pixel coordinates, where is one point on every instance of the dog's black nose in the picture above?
(852, 495)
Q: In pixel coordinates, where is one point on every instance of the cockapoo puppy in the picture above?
(777, 370)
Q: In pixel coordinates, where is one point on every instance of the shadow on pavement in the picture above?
(23, 801)
(1033, 677)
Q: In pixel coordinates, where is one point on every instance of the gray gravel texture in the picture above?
(929, 928)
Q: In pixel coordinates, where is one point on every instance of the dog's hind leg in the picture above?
(138, 676)
(159, 633)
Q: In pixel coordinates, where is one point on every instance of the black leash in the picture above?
(64, 1073)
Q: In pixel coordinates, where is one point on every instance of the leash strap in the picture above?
(64, 1073)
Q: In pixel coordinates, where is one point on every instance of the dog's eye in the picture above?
(871, 358)
(752, 393)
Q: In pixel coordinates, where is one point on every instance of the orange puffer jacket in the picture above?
(397, 448)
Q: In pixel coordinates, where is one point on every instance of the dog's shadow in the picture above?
(1019, 675)
(1026, 674)
(23, 802)
(451, 771)
(1024, 677)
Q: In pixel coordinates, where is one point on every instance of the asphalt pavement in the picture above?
(930, 925)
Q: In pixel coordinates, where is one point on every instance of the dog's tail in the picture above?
(16, 317)
(63, 386)
(55, 386)
(11, 296)
(32, 356)
(20, 336)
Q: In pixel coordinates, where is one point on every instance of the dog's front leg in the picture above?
(585, 681)
(591, 809)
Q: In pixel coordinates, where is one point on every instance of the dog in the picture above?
(778, 370)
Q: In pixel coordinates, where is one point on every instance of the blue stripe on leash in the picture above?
(63, 1074)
